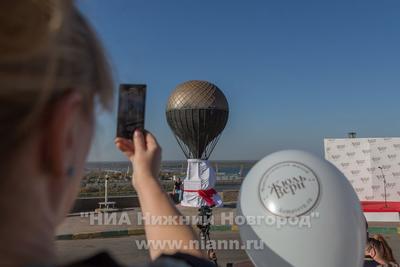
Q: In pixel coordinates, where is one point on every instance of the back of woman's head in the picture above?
(46, 49)
(381, 248)
(387, 253)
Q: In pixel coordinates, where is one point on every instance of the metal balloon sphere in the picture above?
(197, 112)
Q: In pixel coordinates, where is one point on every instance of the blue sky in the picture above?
(293, 72)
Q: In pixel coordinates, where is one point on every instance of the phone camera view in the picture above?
(131, 109)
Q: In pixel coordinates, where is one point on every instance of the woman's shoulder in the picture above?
(176, 260)
(180, 260)
(390, 264)
(102, 259)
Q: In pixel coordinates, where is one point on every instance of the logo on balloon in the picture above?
(289, 189)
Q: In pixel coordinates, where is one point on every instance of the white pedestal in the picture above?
(200, 176)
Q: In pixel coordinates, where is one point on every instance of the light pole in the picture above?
(106, 190)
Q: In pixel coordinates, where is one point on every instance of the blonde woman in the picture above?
(52, 74)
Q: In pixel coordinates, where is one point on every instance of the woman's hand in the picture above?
(144, 153)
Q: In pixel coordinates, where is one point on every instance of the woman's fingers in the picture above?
(126, 147)
(138, 140)
(123, 148)
(141, 143)
(151, 141)
(122, 140)
(117, 139)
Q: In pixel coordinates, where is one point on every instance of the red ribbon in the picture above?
(206, 195)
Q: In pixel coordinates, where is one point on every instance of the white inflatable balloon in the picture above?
(305, 212)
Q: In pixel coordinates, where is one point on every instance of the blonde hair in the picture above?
(46, 48)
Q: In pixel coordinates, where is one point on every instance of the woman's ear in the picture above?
(60, 134)
(372, 252)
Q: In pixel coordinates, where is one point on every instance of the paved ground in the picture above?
(125, 251)
(83, 224)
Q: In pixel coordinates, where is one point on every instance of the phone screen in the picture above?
(131, 109)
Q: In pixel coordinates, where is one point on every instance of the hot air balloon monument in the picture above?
(197, 112)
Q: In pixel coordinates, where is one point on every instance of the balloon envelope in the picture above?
(197, 112)
(311, 214)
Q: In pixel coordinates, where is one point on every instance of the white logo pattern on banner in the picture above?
(360, 158)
